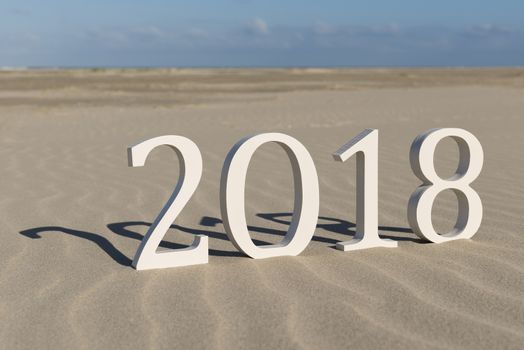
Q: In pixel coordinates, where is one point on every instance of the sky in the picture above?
(261, 33)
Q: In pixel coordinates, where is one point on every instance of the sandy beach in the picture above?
(73, 213)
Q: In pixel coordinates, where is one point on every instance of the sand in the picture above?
(73, 213)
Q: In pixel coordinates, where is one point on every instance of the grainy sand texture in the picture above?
(73, 213)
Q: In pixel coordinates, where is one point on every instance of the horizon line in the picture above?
(139, 67)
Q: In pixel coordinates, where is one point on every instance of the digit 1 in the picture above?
(365, 145)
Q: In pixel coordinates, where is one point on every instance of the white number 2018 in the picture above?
(305, 215)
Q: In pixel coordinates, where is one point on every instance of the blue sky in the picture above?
(261, 33)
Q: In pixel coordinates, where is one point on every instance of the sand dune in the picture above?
(73, 213)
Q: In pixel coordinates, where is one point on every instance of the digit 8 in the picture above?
(420, 204)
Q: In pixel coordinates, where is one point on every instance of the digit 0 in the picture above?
(232, 187)
(421, 201)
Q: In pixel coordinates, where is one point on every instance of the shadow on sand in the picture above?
(125, 229)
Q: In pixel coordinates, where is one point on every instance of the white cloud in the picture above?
(487, 29)
(151, 31)
(323, 28)
(257, 26)
(255, 43)
(198, 33)
(121, 37)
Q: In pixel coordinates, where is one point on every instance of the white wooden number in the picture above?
(306, 207)
(365, 145)
(420, 204)
(232, 187)
(190, 160)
